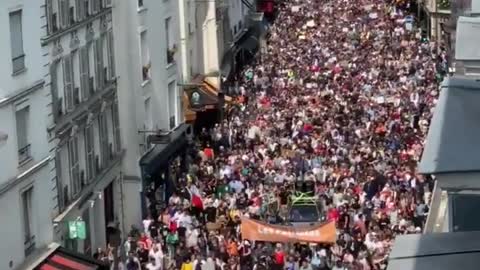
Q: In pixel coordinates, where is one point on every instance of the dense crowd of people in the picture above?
(341, 98)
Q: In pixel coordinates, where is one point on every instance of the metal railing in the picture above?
(24, 153)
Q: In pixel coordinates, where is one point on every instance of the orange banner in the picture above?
(259, 231)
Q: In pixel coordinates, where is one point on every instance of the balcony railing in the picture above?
(24, 153)
(29, 244)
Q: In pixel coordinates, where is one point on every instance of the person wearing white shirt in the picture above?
(152, 265)
(146, 225)
(192, 238)
(156, 254)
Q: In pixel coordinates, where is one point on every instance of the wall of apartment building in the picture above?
(85, 130)
(208, 36)
(188, 37)
(236, 13)
(148, 91)
(24, 153)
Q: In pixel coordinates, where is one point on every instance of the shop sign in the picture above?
(77, 230)
(195, 99)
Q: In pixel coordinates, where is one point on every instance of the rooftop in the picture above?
(452, 141)
(439, 251)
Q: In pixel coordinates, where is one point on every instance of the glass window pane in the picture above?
(465, 212)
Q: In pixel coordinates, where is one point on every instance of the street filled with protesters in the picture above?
(335, 111)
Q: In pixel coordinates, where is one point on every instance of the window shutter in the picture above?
(49, 13)
(111, 55)
(60, 12)
(95, 66)
(84, 73)
(99, 62)
(66, 12)
(67, 81)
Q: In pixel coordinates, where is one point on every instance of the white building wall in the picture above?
(31, 46)
(130, 22)
(19, 90)
(209, 39)
(236, 13)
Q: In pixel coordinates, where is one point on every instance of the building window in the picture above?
(169, 36)
(68, 82)
(80, 8)
(28, 229)
(140, 3)
(234, 30)
(64, 13)
(22, 121)
(84, 73)
(116, 127)
(145, 53)
(75, 181)
(16, 42)
(111, 56)
(103, 135)
(463, 209)
(240, 25)
(172, 104)
(99, 76)
(52, 17)
(95, 5)
(90, 152)
(148, 115)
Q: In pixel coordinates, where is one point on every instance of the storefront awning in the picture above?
(249, 42)
(227, 64)
(59, 258)
(161, 153)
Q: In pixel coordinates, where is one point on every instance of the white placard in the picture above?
(311, 23)
(295, 8)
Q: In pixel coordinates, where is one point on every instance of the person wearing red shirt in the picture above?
(208, 151)
(333, 214)
(279, 258)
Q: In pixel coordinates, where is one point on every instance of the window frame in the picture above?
(28, 219)
(68, 83)
(103, 138)
(84, 64)
(111, 55)
(173, 106)
(169, 39)
(116, 127)
(17, 57)
(89, 136)
(24, 146)
(75, 181)
(98, 58)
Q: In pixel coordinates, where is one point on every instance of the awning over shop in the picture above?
(161, 153)
(227, 64)
(62, 258)
(249, 41)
